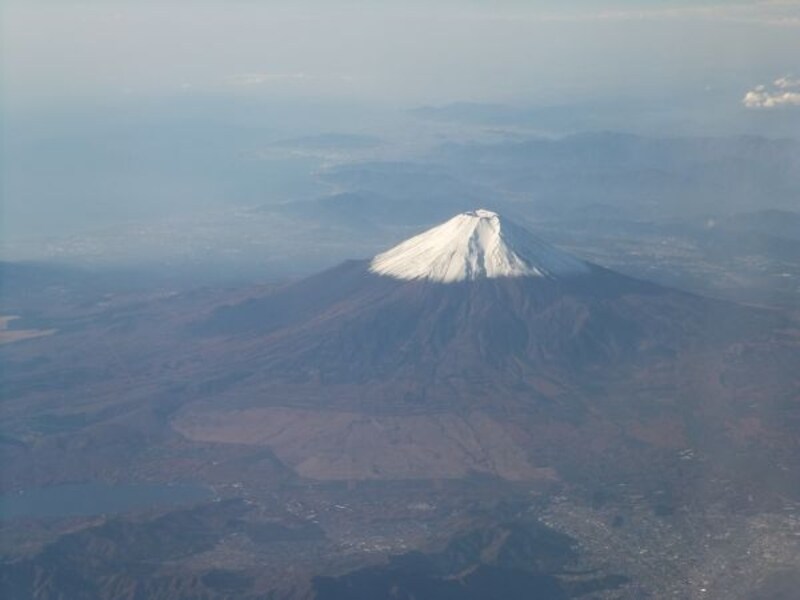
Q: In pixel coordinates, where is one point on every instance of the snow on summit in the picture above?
(474, 245)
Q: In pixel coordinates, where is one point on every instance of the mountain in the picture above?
(475, 347)
(473, 411)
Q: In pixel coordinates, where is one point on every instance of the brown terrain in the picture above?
(349, 423)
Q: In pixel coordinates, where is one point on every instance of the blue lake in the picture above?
(87, 499)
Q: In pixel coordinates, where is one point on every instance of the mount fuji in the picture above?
(475, 347)
(477, 292)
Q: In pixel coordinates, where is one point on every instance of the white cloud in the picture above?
(787, 83)
(779, 95)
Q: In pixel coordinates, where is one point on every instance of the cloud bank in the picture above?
(783, 92)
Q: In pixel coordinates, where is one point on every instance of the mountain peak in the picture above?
(482, 213)
(475, 245)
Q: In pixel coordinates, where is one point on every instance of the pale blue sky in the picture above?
(397, 53)
(138, 110)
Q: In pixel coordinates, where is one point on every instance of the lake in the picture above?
(87, 499)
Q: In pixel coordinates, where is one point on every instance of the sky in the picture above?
(60, 52)
(119, 110)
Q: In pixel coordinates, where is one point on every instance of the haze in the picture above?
(65, 52)
(130, 125)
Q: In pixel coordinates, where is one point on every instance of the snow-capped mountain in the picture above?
(474, 245)
(472, 347)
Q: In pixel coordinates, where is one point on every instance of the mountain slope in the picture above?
(488, 361)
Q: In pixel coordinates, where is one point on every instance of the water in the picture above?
(87, 499)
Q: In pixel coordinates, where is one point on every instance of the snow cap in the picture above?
(474, 245)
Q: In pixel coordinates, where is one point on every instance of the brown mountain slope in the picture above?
(350, 375)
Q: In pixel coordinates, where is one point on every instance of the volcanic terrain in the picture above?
(469, 378)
